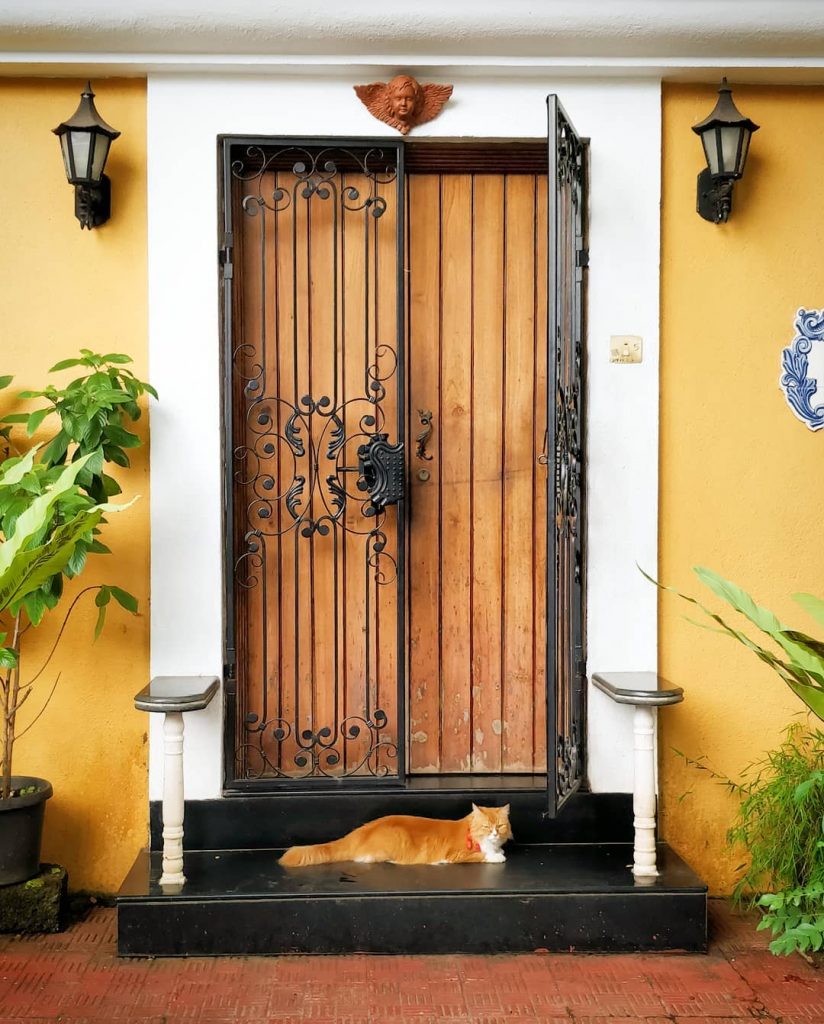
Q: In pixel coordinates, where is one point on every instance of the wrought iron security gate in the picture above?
(565, 458)
(314, 499)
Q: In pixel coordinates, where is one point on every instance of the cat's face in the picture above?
(491, 823)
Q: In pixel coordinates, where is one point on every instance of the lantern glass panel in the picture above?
(101, 151)
(745, 148)
(64, 149)
(81, 149)
(730, 138)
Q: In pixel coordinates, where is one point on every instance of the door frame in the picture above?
(462, 149)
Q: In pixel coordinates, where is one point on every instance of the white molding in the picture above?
(741, 70)
(552, 28)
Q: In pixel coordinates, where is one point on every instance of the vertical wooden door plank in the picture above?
(539, 480)
(518, 506)
(456, 469)
(487, 451)
(385, 570)
(424, 340)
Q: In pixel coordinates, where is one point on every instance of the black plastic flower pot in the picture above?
(21, 829)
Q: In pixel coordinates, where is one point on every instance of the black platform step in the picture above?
(547, 897)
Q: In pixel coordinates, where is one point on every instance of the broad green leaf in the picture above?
(35, 605)
(16, 417)
(764, 619)
(150, 389)
(64, 364)
(35, 419)
(31, 569)
(37, 516)
(5, 381)
(117, 435)
(55, 451)
(8, 658)
(116, 357)
(13, 470)
(812, 696)
(101, 620)
(124, 599)
(814, 606)
(103, 597)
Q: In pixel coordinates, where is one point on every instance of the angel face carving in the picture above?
(403, 102)
(404, 98)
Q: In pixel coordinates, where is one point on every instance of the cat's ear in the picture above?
(505, 809)
(476, 809)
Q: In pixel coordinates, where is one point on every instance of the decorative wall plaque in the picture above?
(403, 102)
(802, 366)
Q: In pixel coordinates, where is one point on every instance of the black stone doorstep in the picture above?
(544, 897)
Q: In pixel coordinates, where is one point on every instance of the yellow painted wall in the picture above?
(742, 480)
(63, 289)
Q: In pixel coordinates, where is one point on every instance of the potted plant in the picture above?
(54, 500)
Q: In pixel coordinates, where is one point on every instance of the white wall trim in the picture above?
(807, 70)
(185, 116)
(554, 28)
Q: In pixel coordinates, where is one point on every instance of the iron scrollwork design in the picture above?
(315, 465)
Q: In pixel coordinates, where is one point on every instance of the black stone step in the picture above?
(292, 816)
(550, 897)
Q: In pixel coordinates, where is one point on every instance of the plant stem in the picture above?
(10, 690)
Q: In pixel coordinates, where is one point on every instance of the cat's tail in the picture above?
(320, 853)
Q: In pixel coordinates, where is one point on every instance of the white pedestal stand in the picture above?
(646, 691)
(174, 696)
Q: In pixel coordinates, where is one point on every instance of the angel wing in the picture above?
(373, 97)
(434, 98)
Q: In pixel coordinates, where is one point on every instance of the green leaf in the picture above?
(35, 419)
(150, 389)
(64, 364)
(116, 357)
(55, 451)
(16, 417)
(103, 597)
(814, 606)
(5, 381)
(124, 599)
(117, 435)
(101, 619)
(13, 470)
(8, 658)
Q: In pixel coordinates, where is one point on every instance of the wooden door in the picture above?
(477, 362)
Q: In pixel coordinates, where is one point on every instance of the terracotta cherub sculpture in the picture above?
(403, 102)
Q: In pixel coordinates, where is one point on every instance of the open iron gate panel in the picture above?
(308, 548)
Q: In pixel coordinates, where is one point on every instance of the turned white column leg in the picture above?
(173, 800)
(643, 798)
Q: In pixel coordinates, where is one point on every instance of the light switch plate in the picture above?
(626, 348)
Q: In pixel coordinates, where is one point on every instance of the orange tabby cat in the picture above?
(403, 839)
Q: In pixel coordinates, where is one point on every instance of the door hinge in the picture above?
(582, 258)
(224, 255)
(230, 673)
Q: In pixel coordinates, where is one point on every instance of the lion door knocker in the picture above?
(403, 102)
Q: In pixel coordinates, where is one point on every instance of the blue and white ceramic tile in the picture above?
(802, 365)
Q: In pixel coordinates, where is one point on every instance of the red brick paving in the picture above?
(75, 978)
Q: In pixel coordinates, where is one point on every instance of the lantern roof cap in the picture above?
(724, 114)
(86, 117)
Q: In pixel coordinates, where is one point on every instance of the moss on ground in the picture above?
(38, 905)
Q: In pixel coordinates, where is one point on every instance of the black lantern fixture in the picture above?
(85, 139)
(725, 135)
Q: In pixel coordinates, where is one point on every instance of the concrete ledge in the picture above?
(38, 905)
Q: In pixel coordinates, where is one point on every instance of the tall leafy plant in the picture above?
(53, 504)
(781, 812)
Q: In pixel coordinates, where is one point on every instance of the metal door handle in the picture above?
(422, 439)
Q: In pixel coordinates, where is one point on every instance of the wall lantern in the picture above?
(85, 139)
(725, 135)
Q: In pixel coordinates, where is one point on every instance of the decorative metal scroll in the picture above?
(312, 459)
(565, 458)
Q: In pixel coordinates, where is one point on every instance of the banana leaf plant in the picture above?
(53, 503)
(799, 662)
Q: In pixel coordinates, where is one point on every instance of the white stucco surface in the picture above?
(185, 116)
(523, 28)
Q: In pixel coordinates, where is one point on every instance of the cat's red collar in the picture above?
(471, 844)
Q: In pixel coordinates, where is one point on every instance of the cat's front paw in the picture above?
(495, 858)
